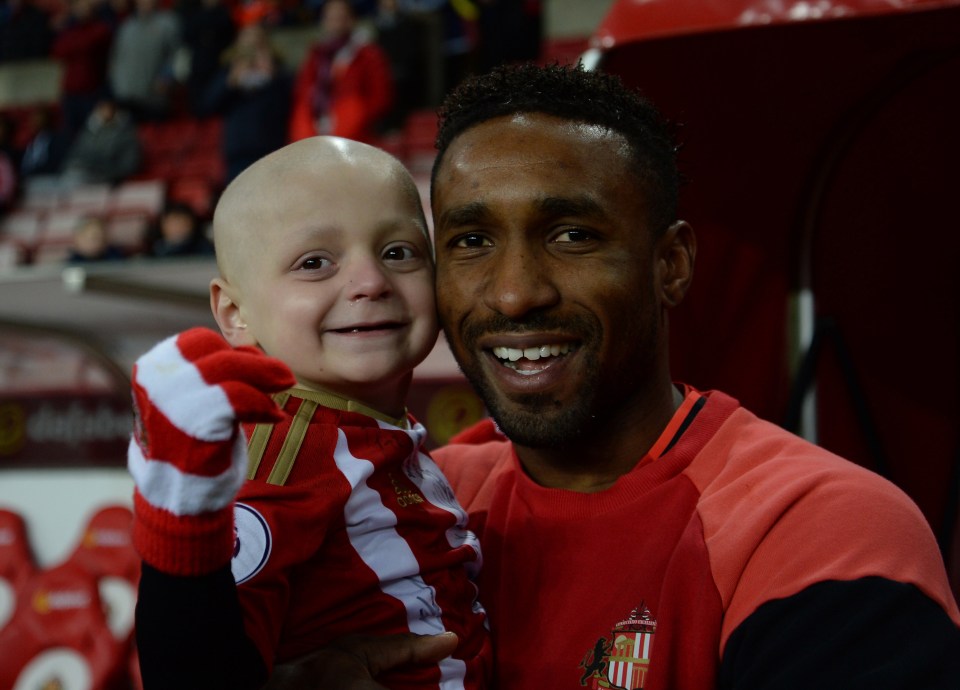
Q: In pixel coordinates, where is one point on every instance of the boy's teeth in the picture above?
(512, 354)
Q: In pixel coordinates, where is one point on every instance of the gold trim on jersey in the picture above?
(338, 402)
(260, 437)
(291, 444)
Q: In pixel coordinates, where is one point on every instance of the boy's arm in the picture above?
(190, 633)
(188, 459)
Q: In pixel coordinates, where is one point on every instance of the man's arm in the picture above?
(354, 662)
(869, 633)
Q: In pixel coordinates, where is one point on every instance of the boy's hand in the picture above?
(188, 456)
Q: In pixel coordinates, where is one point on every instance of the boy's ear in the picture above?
(226, 311)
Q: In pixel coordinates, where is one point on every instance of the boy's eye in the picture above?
(402, 252)
(398, 252)
(314, 263)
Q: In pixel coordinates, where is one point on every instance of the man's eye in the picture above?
(472, 240)
(573, 235)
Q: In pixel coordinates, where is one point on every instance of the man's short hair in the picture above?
(572, 93)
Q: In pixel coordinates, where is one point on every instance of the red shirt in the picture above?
(644, 584)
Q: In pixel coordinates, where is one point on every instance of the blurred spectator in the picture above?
(400, 35)
(458, 27)
(178, 232)
(509, 31)
(25, 31)
(362, 9)
(82, 46)
(208, 30)
(89, 243)
(46, 147)
(8, 164)
(113, 11)
(263, 12)
(141, 62)
(106, 150)
(344, 86)
(252, 92)
(8, 138)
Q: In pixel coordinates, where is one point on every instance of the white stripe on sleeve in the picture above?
(165, 486)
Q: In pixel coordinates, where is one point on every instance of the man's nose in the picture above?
(520, 282)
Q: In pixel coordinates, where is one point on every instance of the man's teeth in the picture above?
(512, 354)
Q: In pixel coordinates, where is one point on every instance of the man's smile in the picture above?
(521, 359)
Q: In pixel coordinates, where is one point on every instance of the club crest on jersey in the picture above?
(252, 543)
(622, 662)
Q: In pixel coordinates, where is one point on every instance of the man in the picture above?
(107, 150)
(141, 71)
(638, 533)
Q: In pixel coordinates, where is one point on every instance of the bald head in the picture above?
(273, 192)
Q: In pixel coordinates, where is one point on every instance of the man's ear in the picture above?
(226, 311)
(676, 254)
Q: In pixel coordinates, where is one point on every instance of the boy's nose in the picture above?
(367, 278)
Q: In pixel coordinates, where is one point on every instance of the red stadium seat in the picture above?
(16, 561)
(105, 551)
(139, 195)
(87, 198)
(196, 191)
(58, 636)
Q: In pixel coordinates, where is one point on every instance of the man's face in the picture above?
(545, 274)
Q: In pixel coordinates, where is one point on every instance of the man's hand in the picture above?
(188, 457)
(353, 662)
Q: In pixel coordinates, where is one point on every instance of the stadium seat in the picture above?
(16, 561)
(59, 226)
(196, 191)
(87, 198)
(128, 230)
(58, 636)
(22, 226)
(11, 254)
(419, 133)
(105, 551)
(139, 195)
(41, 193)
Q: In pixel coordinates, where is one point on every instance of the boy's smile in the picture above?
(336, 276)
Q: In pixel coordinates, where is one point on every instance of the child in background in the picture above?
(91, 243)
(345, 525)
(179, 232)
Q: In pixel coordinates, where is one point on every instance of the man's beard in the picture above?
(537, 420)
(541, 422)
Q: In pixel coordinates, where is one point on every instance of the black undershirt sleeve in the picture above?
(866, 634)
(190, 634)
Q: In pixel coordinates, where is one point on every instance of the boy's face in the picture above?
(335, 278)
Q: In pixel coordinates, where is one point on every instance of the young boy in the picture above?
(345, 525)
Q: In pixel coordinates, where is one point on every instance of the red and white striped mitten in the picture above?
(188, 456)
